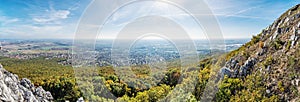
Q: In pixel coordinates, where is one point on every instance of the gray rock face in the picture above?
(247, 67)
(225, 71)
(232, 64)
(233, 69)
(13, 90)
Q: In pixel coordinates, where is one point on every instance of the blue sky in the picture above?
(59, 18)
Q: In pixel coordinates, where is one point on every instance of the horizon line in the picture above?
(105, 39)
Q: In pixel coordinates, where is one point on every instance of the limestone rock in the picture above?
(13, 90)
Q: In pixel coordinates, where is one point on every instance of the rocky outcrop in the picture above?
(233, 69)
(14, 90)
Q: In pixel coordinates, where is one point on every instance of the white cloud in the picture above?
(6, 20)
(52, 16)
(29, 31)
(45, 28)
(41, 21)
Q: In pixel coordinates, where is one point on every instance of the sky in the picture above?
(49, 19)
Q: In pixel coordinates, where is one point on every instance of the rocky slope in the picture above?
(14, 90)
(274, 53)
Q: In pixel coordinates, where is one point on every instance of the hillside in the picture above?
(268, 65)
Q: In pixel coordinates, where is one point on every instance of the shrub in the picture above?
(268, 61)
(277, 44)
(228, 88)
(255, 39)
(172, 77)
(289, 43)
(291, 62)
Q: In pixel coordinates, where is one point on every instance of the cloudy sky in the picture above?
(47, 19)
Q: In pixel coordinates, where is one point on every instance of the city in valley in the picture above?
(140, 51)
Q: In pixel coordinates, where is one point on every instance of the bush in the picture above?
(268, 61)
(289, 43)
(255, 39)
(277, 44)
(151, 95)
(291, 62)
(172, 77)
(62, 88)
(203, 79)
(228, 88)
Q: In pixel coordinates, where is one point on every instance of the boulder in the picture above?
(274, 35)
(27, 84)
(287, 19)
(225, 71)
(297, 82)
(268, 91)
(80, 99)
